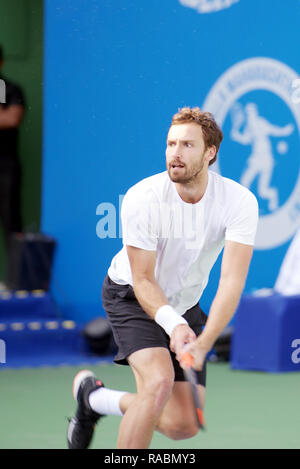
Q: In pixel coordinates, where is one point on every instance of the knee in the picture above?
(158, 390)
(183, 430)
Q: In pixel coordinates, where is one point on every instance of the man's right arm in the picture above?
(147, 291)
(152, 298)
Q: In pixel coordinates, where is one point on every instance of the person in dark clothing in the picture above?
(11, 116)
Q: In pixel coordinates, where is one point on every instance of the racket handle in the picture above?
(187, 360)
(201, 420)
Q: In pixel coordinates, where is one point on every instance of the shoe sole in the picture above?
(78, 380)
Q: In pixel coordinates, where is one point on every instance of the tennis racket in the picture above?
(187, 360)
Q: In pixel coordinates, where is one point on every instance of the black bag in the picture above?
(99, 336)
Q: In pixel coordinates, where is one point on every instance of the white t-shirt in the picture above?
(187, 237)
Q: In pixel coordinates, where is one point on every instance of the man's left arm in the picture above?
(234, 270)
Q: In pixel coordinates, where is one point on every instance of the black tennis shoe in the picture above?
(81, 426)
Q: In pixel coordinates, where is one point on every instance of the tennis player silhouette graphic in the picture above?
(208, 6)
(257, 132)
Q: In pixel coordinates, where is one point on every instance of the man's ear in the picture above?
(211, 153)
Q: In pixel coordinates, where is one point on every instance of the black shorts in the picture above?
(134, 330)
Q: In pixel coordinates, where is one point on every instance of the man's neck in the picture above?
(193, 192)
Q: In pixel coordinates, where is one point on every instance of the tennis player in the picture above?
(175, 224)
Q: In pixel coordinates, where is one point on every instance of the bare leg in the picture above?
(154, 374)
(177, 420)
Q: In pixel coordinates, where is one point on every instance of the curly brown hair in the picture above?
(212, 134)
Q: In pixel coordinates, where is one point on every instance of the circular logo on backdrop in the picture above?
(208, 6)
(252, 102)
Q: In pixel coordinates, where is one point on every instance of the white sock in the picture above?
(106, 401)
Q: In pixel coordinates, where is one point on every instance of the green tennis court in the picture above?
(243, 409)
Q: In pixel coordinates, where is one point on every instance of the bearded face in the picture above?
(185, 153)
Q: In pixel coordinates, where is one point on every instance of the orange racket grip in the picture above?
(187, 360)
(200, 416)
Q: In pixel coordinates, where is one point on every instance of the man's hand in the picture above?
(198, 352)
(11, 117)
(181, 335)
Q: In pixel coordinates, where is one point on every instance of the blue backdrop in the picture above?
(115, 73)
